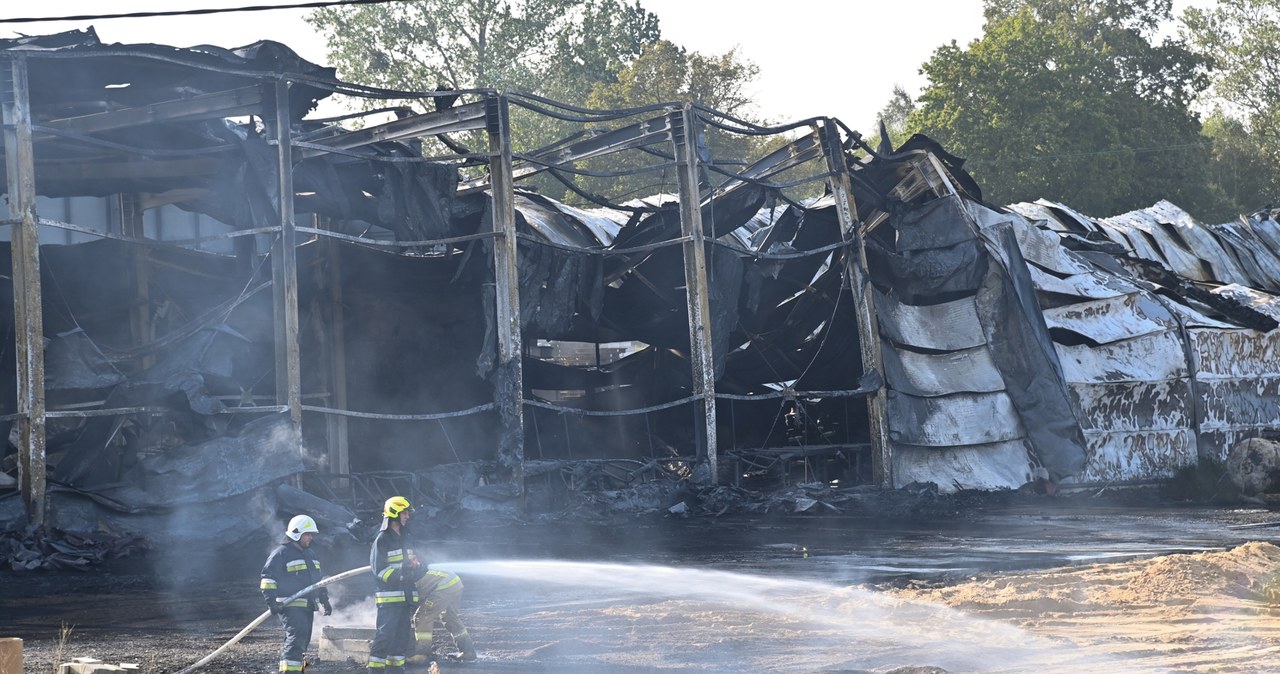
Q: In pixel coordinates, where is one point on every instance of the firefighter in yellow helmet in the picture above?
(396, 569)
(291, 568)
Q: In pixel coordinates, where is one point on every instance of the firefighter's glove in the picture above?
(275, 607)
(326, 607)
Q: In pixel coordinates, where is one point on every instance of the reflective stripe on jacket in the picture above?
(289, 569)
(391, 560)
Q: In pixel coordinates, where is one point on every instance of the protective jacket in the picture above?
(291, 568)
(395, 568)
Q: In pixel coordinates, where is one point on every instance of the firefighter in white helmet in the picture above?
(290, 568)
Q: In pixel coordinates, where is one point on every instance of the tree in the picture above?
(666, 72)
(529, 45)
(593, 53)
(893, 116)
(1073, 100)
(1240, 37)
(1241, 172)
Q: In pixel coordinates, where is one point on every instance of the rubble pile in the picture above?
(39, 548)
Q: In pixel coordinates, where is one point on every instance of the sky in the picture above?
(839, 58)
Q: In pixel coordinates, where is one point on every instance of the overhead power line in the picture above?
(189, 12)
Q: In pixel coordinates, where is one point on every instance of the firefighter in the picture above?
(290, 568)
(396, 570)
(441, 596)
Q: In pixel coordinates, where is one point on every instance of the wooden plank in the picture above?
(697, 290)
(509, 379)
(27, 312)
(868, 319)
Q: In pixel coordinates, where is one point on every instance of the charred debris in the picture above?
(418, 317)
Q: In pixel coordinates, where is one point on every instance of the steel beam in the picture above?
(860, 287)
(509, 382)
(470, 117)
(284, 270)
(243, 101)
(697, 291)
(28, 319)
(640, 134)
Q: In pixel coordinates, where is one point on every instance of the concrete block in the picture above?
(88, 666)
(343, 644)
(10, 655)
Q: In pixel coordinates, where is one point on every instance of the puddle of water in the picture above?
(614, 615)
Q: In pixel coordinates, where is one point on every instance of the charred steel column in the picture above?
(28, 319)
(509, 378)
(284, 270)
(684, 136)
(860, 288)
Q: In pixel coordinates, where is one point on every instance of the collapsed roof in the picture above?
(1009, 344)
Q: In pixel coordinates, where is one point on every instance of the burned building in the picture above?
(186, 341)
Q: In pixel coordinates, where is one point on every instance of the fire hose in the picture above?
(265, 614)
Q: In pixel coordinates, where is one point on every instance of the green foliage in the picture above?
(1241, 38)
(592, 53)
(894, 116)
(667, 72)
(1073, 100)
(1242, 172)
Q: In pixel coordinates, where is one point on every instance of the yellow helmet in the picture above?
(396, 505)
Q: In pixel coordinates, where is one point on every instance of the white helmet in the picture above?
(299, 525)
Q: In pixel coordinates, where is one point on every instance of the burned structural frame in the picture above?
(991, 345)
(276, 101)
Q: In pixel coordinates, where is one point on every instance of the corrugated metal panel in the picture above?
(1112, 319)
(1038, 246)
(1237, 404)
(1091, 285)
(1004, 465)
(929, 375)
(950, 326)
(1235, 354)
(1267, 230)
(1125, 455)
(1258, 262)
(1133, 406)
(1176, 256)
(1155, 357)
(1204, 243)
(960, 419)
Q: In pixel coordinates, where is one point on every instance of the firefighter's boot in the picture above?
(466, 646)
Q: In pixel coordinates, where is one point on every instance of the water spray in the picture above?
(265, 614)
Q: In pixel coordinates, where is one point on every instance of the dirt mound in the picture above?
(1249, 572)
(1199, 612)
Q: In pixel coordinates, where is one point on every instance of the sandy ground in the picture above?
(1201, 612)
(680, 601)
